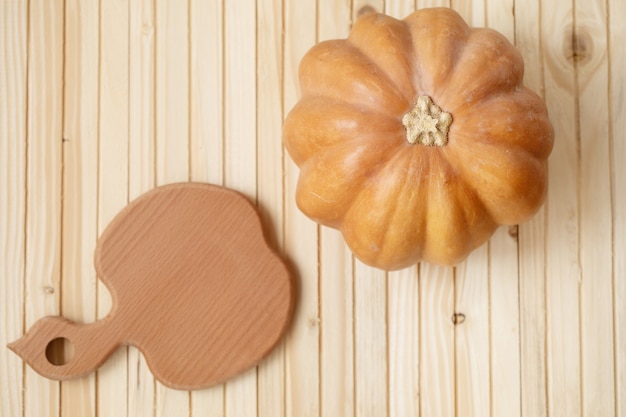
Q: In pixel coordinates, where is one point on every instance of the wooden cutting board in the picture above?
(194, 285)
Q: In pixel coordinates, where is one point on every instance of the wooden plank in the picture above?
(207, 131)
(403, 313)
(472, 336)
(241, 395)
(532, 241)
(141, 166)
(336, 277)
(141, 98)
(370, 341)
(270, 188)
(474, 12)
(504, 316)
(562, 256)
(436, 338)
(500, 15)
(532, 307)
(80, 186)
(436, 341)
(207, 91)
(472, 293)
(172, 134)
(113, 178)
(337, 374)
(371, 355)
(361, 6)
(240, 150)
(172, 91)
(504, 278)
(13, 112)
(43, 176)
(399, 9)
(271, 384)
(301, 236)
(596, 286)
(617, 127)
(420, 4)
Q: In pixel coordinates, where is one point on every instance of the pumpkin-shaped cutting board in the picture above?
(194, 286)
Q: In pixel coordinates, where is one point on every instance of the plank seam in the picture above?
(578, 208)
(490, 325)
(455, 359)
(223, 113)
(98, 188)
(545, 227)
(62, 179)
(26, 195)
(611, 158)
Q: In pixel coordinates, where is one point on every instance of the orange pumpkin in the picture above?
(416, 138)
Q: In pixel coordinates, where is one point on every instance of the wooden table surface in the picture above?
(101, 100)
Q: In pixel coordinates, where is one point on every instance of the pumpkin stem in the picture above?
(426, 123)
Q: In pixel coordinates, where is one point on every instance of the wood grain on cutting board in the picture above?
(194, 286)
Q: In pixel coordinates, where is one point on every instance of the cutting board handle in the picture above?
(91, 345)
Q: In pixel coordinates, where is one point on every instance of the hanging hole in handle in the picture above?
(60, 351)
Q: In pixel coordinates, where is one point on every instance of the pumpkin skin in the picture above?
(397, 202)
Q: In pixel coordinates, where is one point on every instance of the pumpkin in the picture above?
(416, 138)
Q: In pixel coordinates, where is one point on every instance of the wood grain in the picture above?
(403, 312)
(532, 243)
(141, 166)
(403, 320)
(563, 271)
(302, 397)
(438, 395)
(240, 148)
(13, 135)
(617, 147)
(370, 317)
(80, 190)
(172, 132)
(43, 228)
(336, 278)
(596, 285)
(370, 342)
(150, 92)
(473, 335)
(473, 342)
(113, 166)
(504, 280)
(271, 385)
(207, 131)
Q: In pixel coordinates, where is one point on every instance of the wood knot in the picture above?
(458, 318)
(514, 231)
(578, 47)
